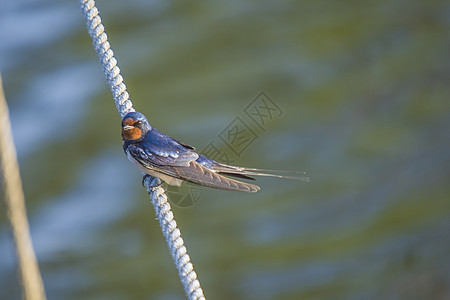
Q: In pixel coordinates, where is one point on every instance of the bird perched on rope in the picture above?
(172, 161)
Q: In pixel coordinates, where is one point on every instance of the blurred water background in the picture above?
(363, 94)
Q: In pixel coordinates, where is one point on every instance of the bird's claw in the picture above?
(144, 177)
(160, 185)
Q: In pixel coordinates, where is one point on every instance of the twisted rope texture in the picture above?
(157, 194)
(174, 240)
(106, 57)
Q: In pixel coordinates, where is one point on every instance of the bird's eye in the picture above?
(137, 124)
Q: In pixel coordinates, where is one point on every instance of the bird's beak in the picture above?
(127, 127)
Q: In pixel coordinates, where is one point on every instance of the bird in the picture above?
(172, 161)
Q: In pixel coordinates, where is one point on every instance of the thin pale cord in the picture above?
(157, 194)
(30, 277)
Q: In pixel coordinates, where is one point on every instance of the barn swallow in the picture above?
(172, 161)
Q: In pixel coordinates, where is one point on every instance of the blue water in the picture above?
(361, 102)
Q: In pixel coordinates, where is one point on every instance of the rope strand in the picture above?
(174, 239)
(157, 194)
(106, 57)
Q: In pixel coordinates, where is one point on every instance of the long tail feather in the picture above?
(269, 170)
(198, 174)
(243, 172)
(252, 173)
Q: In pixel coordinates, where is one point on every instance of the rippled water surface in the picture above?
(359, 96)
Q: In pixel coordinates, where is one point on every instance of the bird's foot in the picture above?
(160, 185)
(144, 177)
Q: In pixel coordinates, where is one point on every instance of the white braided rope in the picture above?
(174, 240)
(157, 194)
(106, 57)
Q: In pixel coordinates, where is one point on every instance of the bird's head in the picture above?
(134, 126)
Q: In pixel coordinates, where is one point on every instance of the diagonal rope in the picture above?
(30, 277)
(157, 194)
(106, 57)
(173, 237)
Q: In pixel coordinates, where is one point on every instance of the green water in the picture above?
(361, 91)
